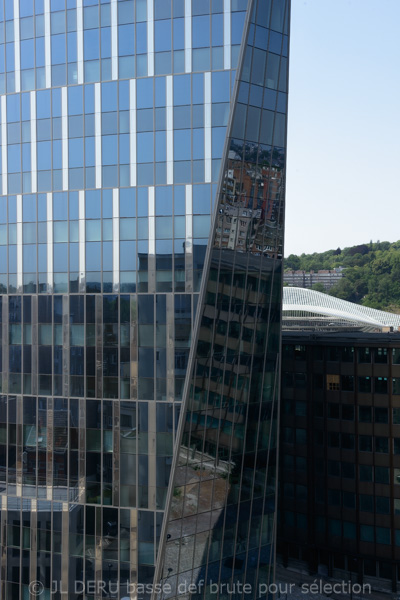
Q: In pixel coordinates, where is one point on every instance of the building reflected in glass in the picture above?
(130, 129)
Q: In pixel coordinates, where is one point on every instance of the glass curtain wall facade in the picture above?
(114, 151)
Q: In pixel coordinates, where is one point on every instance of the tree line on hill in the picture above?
(371, 276)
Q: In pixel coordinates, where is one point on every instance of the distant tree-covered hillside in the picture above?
(371, 276)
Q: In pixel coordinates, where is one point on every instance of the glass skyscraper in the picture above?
(141, 225)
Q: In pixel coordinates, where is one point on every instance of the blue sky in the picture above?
(343, 177)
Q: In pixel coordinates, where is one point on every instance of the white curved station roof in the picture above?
(309, 301)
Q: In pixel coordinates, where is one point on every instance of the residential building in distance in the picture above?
(304, 279)
(143, 147)
(339, 483)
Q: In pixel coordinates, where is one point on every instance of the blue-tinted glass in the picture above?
(75, 100)
(201, 31)
(126, 40)
(91, 44)
(58, 56)
(179, 34)
(181, 89)
(162, 35)
(144, 92)
(93, 204)
(110, 149)
(75, 152)
(127, 203)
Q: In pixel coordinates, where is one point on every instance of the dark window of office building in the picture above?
(364, 355)
(347, 383)
(396, 385)
(349, 500)
(365, 472)
(381, 475)
(347, 354)
(300, 380)
(382, 504)
(396, 356)
(380, 355)
(380, 385)
(365, 414)
(333, 439)
(333, 468)
(332, 353)
(348, 412)
(287, 379)
(396, 415)
(381, 414)
(364, 385)
(333, 410)
(334, 497)
(348, 470)
(348, 441)
(300, 352)
(318, 409)
(318, 381)
(382, 445)
(318, 353)
(287, 351)
(366, 503)
(365, 443)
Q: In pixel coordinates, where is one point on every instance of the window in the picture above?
(380, 355)
(365, 414)
(396, 479)
(396, 416)
(318, 353)
(365, 443)
(319, 437)
(318, 381)
(396, 356)
(382, 505)
(364, 355)
(348, 412)
(332, 353)
(396, 385)
(382, 445)
(366, 533)
(300, 380)
(347, 383)
(348, 441)
(333, 468)
(381, 475)
(333, 382)
(366, 473)
(349, 530)
(366, 503)
(349, 500)
(396, 446)
(348, 354)
(333, 410)
(381, 386)
(381, 415)
(364, 385)
(301, 437)
(382, 535)
(348, 470)
(300, 352)
(334, 497)
(333, 439)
